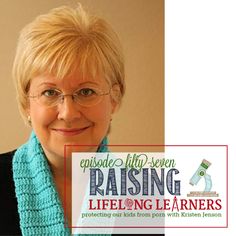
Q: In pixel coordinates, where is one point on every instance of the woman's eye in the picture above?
(86, 92)
(50, 93)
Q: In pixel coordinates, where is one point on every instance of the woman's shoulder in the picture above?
(6, 163)
(7, 156)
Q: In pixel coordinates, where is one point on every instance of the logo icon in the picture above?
(199, 174)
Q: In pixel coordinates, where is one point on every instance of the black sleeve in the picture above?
(9, 217)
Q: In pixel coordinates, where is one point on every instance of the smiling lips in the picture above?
(70, 132)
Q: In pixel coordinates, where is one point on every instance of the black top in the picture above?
(9, 217)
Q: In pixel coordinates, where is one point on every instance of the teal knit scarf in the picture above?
(39, 206)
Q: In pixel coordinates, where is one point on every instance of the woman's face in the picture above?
(68, 122)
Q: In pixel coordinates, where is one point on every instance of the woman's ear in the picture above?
(27, 114)
(115, 97)
(27, 109)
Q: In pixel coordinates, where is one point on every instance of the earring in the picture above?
(29, 120)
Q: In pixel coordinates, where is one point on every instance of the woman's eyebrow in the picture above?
(47, 83)
(89, 82)
(84, 83)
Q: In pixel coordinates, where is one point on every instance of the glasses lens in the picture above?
(49, 101)
(49, 97)
(88, 96)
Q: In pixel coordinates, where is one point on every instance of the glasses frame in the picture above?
(61, 97)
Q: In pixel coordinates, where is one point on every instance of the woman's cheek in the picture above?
(41, 116)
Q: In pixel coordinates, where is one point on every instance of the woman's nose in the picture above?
(68, 110)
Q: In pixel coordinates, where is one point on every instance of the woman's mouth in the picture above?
(71, 131)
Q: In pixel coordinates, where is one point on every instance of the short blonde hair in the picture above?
(62, 42)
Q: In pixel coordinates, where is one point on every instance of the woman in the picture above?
(69, 76)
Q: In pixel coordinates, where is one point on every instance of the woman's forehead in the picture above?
(71, 81)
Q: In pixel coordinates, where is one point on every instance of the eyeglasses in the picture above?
(87, 96)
